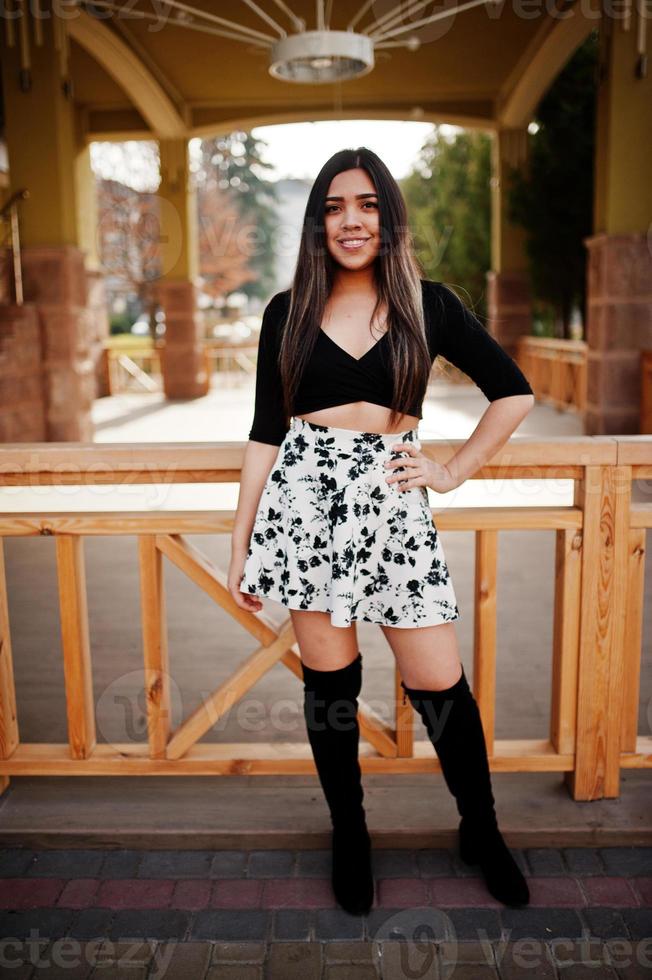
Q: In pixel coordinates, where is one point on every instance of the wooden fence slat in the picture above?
(228, 692)
(8, 715)
(213, 581)
(619, 479)
(633, 642)
(155, 645)
(250, 758)
(484, 630)
(77, 667)
(565, 644)
(605, 496)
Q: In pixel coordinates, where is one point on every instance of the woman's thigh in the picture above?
(427, 656)
(323, 646)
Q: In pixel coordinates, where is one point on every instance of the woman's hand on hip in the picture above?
(419, 471)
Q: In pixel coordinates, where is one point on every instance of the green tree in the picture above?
(553, 198)
(233, 165)
(449, 202)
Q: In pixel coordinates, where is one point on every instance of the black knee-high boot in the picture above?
(454, 726)
(330, 710)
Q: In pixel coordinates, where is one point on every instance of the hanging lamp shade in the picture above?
(319, 57)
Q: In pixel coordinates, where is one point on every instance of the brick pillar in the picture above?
(47, 155)
(619, 326)
(509, 308)
(22, 402)
(182, 362)
(619, 252)
(509, 303)
(182, 358)
(54, 280)
(98, 326)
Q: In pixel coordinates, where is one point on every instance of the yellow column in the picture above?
(86, 196)
(183, 362)
(42, 148)
(619, 273)
(509, 303)
(40, 133)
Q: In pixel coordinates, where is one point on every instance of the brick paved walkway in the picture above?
(268, 914)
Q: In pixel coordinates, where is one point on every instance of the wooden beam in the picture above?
(8, 712)
(484, 630)
(77, 667)
(155, 645)
(264, 759)
(565, 643)
(633, 640)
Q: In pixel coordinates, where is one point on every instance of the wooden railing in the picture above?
(556, 370)
(138, 368)
(132, 369)
(597, 629)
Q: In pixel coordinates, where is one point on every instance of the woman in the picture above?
(333, 519)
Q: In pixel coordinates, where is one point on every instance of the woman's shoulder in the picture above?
(279, 301)
(275, 315)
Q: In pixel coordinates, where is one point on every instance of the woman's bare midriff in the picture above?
(361, 417)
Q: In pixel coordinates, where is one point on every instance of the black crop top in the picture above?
(334, 377)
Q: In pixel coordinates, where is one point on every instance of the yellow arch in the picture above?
(130, 73)
(542, 62)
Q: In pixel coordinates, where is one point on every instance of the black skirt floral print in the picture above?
(331, 534)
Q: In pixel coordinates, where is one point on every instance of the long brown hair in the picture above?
(397, 278)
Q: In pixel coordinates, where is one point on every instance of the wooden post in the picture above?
(565, 644)
(633, 642)
(484, 631)
(8, 716)
(155, 647)
(604, 494)
(77, 666)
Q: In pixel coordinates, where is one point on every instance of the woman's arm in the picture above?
(465, 342)
(268, 428)
(267, 432)
(498, 422)
(256, 466)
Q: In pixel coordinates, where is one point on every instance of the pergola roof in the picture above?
(487, 66)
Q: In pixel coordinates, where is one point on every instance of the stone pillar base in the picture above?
(183, 363)
(54, 280)
(509, 306)
(99, 328)
(22, 403)
(619, 326)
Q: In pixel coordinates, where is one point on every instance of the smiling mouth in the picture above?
(352, 244)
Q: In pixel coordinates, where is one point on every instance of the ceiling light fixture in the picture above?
(317, 57)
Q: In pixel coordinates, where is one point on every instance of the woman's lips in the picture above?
(353, 244)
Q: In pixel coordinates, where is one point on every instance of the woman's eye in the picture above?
(330, 207)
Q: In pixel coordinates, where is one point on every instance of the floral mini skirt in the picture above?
(330, 534)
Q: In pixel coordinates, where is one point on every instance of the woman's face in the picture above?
(351, 216)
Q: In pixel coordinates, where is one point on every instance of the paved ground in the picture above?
(272, 914)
